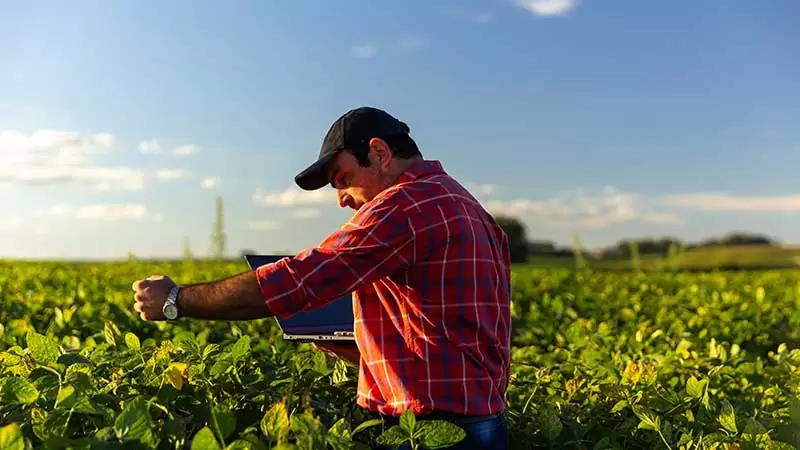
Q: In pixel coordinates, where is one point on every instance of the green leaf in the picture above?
(394, 436)
(132, 341)
(366, 424)
(220, 366)
(248, 442)
(727, 417)
(648, 419)
(341, 430)
(209, 350)
(753, 426)
(320, 363)
(241, 348)
(18, 390)
(275, 423)
(440, 434)
(619, 406)
(794, 409)
(134, 423)
(225, 421)
(407, 421)
(694, 387)
(110, 331)
(550, 423)
(339, 372)
(205, 440)
(11, 437)
(43, 349)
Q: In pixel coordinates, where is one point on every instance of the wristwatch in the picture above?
(170, 308)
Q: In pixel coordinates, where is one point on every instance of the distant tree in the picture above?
(517, 237)
(746, 239)
(542, 248)
(218, 238)
(187, 250)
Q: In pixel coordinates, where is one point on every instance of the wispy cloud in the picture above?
(716, 201)
(173, 174)
(101, 212)
(548, 7)
(149, 147)
(53, 146)
(305, 213)
(482, 189)
(210, 182)
(185, 150)
(100, 178)
(294, 196)
(62, 157)
(365, 51)
(576, 209)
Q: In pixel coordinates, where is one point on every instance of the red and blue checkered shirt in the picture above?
(429, 269)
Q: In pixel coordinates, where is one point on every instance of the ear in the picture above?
(381, 152)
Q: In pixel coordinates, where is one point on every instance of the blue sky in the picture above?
(121, 122)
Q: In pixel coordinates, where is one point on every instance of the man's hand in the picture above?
(347, 352)
(150, 295)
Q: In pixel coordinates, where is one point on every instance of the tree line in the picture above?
(522, 248)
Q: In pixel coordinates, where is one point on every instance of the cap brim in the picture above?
(314, 176)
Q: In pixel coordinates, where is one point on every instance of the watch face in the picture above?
(171, 311)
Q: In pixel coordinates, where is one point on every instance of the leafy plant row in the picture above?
(600, 361)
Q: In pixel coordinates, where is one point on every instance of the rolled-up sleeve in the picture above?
(376, 242)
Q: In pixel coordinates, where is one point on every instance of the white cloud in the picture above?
(185, 150)
(294, 196)
(264, 225)
(548, 7)
(99, 212)
(102, 178)
(61, 157)
(51, 147)
(305, 214)
(578, 210)
(173, 174)
(151, 146)
(482, 189)
(210, 182)
(715, 201)
(15, 141)
(364, 51)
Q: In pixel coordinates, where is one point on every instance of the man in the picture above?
(430, 273)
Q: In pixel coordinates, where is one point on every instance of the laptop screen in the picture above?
(335, 316)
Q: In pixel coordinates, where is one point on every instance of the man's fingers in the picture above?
(142, 284)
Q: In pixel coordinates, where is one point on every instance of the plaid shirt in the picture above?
(429, 269)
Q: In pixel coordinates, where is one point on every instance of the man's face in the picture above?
(355, 184)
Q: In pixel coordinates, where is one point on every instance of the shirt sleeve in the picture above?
(376, 242)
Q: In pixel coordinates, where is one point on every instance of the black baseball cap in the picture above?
(353, 129)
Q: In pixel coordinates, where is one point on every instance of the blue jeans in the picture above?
(485, 434)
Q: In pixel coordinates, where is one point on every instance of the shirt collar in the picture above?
(420, 169)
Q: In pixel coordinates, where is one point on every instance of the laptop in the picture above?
(332, 322)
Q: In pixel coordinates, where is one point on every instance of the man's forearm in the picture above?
(235, 298)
